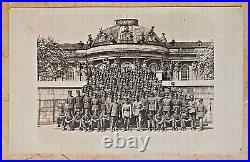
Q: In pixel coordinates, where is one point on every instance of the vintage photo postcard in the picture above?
(126, 82)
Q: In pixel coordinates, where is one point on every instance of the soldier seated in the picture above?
(184, 119)
(94, 121)
(158, 120)
(61, 117)
(86, 119)
(69, 123)
(78, 120)
(167, 120)
(151, 122)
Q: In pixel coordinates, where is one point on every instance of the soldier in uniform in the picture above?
(78, 119)
(136, 110)
(114, 114)
(78, 101)
(102, 102)
(69, 123)
(87, 103)
(61, 117)
(151, 121)
(159, 120)
(201, 111)
(95, 121)
(95, 104)
(126, 114)
(102, 119)
(152, 104)
(86, 120)
(176, 112)
(108, 103)
(70, 101)
(192, 112)
(166, 104)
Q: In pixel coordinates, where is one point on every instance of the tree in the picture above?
(51, 61)
(205, 63)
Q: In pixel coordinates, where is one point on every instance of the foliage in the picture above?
(51, 61)
(205, 63)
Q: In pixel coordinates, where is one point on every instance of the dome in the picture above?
(127, 31)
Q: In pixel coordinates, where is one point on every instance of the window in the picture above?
(185, 72)
(70, 74)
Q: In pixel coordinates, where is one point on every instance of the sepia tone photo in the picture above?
(126, 81)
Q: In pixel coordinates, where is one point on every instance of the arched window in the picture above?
(184, 72)
(154, 67)
(70, 74)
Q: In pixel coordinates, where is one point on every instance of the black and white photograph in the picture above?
(126, 81)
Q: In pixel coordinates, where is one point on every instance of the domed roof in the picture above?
(127, 31)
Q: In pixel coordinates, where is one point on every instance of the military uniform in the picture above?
(70, 101)
(102, 119)
(114, 115)
(95, 105)
(86, 120)
(126, 114)
(69, 124)
(78, 102)
(152, 104)
(192, 112)
(176, 113)
(158, 120)
(61, 117)
(87, 103)
(136, 109)
(166, 105)
(201, 111)
(94, 120)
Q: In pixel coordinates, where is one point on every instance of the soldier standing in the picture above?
(152, 104)
(136, 109)
(176, 112)
(166, 104)
(192, 112)
(114, 114)
(201, 111)
(126, 114)
(102, 119)
(87, 103)
(78, 101)
(95, 104)
(70, 101)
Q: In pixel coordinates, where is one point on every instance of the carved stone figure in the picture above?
(126, 35)
(101, 37)
(90, 41)
(163, 38)
(176, 71)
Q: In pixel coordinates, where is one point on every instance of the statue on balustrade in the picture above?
(90, 41)
(126, 35)
(176, 70)
(102, 36)
(141, 38)
(163, 39)
(151, 36)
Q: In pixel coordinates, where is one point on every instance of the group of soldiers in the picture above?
(153, 112)
(126, 98)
